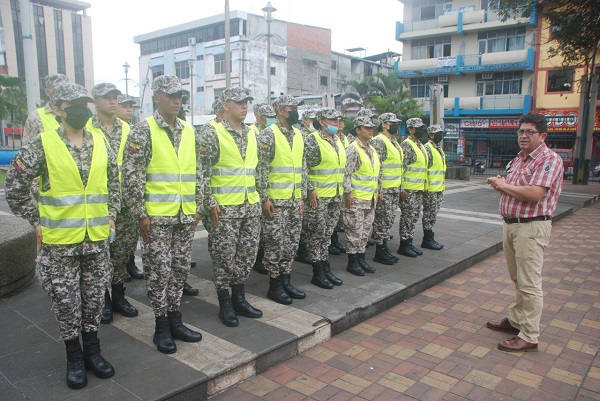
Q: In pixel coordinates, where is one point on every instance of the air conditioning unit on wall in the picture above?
(442, 78)
(487, 75)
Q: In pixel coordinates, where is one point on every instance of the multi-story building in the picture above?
(301, 60)
(485, 67)
(62, 34)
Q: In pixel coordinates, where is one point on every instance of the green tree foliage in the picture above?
(13, 99)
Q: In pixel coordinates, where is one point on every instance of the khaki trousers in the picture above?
(524, 245)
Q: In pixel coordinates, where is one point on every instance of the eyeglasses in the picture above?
(528, 132)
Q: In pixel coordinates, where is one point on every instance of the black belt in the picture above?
(511, 220)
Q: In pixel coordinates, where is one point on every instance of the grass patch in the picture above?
(2, 177)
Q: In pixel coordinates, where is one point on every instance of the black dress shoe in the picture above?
(189, 290)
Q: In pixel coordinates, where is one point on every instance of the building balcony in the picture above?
(462, 20)
(472, 63)
(482, 105)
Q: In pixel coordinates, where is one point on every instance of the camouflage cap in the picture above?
(414, 123)
(339, 114)
(434, 128)
(218, 105)
(54, 79)
(68, 92)
(236, 94)
(256, 106)
(266, 111)
(327, 113)
(365, 113)
(310, 113)
(285, 100)
(124, 99)
(169, 84)
(104, 89)
(363, 121)
(388, 117)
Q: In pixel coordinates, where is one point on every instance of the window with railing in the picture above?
(501, 83)
(560, 81)
(431, 48)
(501, 40)
(429, 9)
(421, 87)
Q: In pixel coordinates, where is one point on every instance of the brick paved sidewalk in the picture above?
(435, 346)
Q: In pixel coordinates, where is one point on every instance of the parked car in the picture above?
(454, 159)
(596, 170)
(567, 156)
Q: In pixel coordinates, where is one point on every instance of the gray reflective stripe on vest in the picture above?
(391, 165)
(162, 198)
(415, 180)
(98, 221)
(275, 169)
(363, 188)
(170, 177)
(325, 185)
(391, 177)
(97, 198)
(431, 183)
(64, 223)
(61, 200)
(415, 169)
(280, 185)
(189, 198)
(364, 177)
(435, 172)
(326, 171)
(233, 171)
(232, 190)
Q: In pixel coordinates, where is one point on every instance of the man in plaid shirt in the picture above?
(529, 195)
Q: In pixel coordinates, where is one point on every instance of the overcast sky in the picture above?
(368, 24)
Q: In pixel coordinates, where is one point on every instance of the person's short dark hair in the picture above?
(539, 120)
(316, 124)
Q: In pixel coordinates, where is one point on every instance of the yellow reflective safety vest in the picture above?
(392, 166)
(416, 173)
(436, 174)
(364, 181)
(48, 120)
(171, 176)
(285, 171)
(233, 179)
(345, 141)
(328, 176)
(68, 211)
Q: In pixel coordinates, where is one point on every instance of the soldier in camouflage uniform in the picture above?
(161, 188)
(281, 184)
(73, 262)
(336, 247)
(260, 123)
(434, 186)
(414, 167)
(125, 108)
(326, 160)
(229, 156)
(306, 126)
(362, 191)
(115, 131)
(390, 156)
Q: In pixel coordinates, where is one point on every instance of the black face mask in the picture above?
(393, 128)
(438, 136)
(292, 118)
(77, 116)
(422, 135)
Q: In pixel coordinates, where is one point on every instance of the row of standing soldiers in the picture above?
(103, 184)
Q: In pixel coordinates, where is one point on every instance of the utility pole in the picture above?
(227, 46)
(29, 62)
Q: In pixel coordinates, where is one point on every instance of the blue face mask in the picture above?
(332, 129)
(270, 121)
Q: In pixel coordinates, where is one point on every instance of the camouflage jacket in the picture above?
(429, 155)
(353, 164)
(114, 137)
(136, 158)
(31, 163)
(381, 149)
(266, 154)
(33, 125)
(409, 154)
(312, 157)
(209, 156)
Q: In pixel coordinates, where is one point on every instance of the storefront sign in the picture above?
(565, 120)
(451, 131)
(504, 123)
(475, 123)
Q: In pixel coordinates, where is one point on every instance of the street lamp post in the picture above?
(269, 10)
(126, 68)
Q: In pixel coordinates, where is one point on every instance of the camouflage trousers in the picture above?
(280, 238)
(432, 203)
(127, 233)
(385, 214)
(166, 258)
(233, 245)
(318, 225)
(410, 209)
(358, 223)
(76, 286)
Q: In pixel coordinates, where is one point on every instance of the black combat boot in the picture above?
(162, 336)
(240, 305)
(416, 250)
(319, 279)
(259, 267)
(429, 241)
(133, 270)
(120, 304)
(387, 250)
(333, 279)
(76, 374)
(370, 242)
(189, 291)
(107, 311)
(381, 256)
(364, 264)
(92, 358)
(302, 254)
(226, 312)
(276, 291)
(335, 241)
(179, 331)
(292, 291)
(353, 265)
(406, 248)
